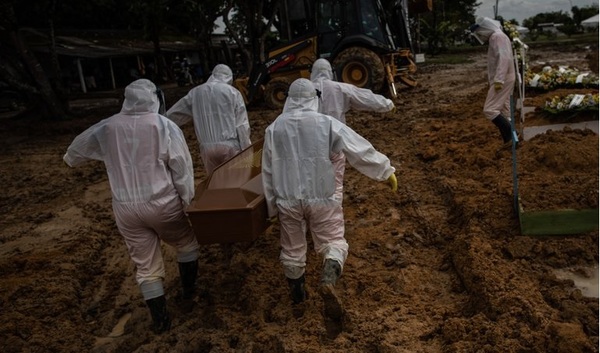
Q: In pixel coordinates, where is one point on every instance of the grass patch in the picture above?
(462, 54)
(577, 39)
(448, 59)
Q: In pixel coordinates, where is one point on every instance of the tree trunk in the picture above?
(59, 86)
(238, 40)
(159, 60)
(154, 28)
(52, 104)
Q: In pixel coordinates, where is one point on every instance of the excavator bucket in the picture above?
(408, 80)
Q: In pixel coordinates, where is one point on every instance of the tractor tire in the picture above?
(360, 67)
(276, 92)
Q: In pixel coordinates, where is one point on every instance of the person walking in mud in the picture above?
(151, 179)
(218, 112)
(501, 73)
(337, 98)
(299, 184)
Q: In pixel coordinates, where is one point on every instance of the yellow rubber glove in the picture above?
(390, 113)
(393, 182)
(497, 86)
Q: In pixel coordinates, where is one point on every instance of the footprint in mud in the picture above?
(333, 327)
(117, 331)
(331, 302)
(298, 310)
(333, 310)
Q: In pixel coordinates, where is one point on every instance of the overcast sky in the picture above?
(522, 9)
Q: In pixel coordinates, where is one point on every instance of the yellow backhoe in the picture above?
(367, 45)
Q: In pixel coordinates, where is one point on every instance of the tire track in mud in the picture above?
(506, 303)
(426, 291)
(473, 271)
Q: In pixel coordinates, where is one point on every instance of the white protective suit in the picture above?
(299, 179)
(151, 179)
(219, 115)
(336, 99)
(500, 64)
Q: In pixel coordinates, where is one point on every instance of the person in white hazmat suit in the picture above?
(218, 112)
(299, 184)
(152, 180)
(501, 73)
(337, 98)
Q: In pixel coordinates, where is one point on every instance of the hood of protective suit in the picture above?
(141, 97)
(483, 28)
(321, 69)
(221, 73)
(302, 96)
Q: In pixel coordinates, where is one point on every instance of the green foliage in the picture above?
(580, 14)
(569, 28)
(447, 23)
(75, 14)
(252, 24)
(568, 25)
(448, 59)
(547, 17)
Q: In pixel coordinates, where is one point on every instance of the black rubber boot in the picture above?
(297, 289)
(331, 302)
(160, 316)
(504, 126)
(188, 272)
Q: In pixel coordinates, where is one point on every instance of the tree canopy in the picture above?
(446, 24)
(571, 23)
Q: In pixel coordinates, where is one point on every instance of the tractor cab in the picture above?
(341, 23)
(368, 46)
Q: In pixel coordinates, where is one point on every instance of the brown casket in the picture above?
(230, 205)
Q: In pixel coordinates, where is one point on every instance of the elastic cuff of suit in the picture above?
(151, 290)
(293, 272)
(187, 256)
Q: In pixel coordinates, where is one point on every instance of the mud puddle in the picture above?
(584, 278)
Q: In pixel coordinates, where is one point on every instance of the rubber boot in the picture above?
(297, 289)
(504, 126)
(188, 272)
(331, 272)
(160, 316)
(331, 302)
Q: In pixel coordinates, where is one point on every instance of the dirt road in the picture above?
(441, 266)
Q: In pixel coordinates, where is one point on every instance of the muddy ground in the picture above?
(441, 266)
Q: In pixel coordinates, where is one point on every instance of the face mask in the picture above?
(479, 40)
